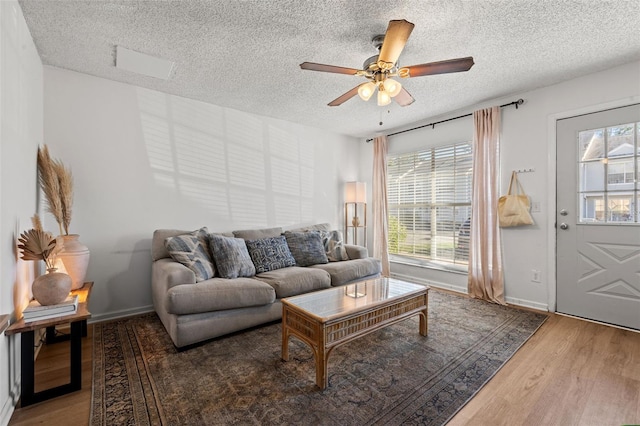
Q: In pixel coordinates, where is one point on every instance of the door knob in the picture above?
(564, 226)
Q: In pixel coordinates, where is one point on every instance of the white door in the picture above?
(598, 216)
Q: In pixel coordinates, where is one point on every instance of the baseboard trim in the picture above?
(7, 411)
(527, 304)
(9, 405)
(120, 314)
(510, 300)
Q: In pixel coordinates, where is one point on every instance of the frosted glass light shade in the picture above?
(392, 87)
(365, 91)
(383, 98)
(355, 192)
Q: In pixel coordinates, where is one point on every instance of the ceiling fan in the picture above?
(379, 68)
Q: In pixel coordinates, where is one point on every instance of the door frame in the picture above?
(552, 181)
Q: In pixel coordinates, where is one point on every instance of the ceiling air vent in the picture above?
(144, 64)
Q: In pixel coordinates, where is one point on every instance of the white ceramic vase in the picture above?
(51, 288)
(74, 260)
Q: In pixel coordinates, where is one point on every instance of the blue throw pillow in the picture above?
(306, 247)
(192, 250)
(269, 254)
(231, 257)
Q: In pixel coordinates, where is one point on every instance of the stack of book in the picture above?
(37, 312)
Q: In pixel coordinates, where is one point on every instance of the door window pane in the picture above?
(591, 144)
(592, 209)
(592, 176)
(609, 174)
(619, 209)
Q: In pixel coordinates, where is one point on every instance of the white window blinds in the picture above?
(429, 196)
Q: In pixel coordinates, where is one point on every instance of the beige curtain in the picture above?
(379, 205)
(485, 252)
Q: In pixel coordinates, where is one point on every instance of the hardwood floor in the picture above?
(571, 372)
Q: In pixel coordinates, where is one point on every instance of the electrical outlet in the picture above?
(535, 207)
(535, 275)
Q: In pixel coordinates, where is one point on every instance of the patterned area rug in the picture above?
(392, 376)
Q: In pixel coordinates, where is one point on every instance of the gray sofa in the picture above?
(196, 311)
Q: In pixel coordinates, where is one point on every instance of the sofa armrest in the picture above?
(167, 273)
(356, 252)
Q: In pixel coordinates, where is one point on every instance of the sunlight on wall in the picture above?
(238, 166)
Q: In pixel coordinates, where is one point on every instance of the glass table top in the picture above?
(337, 301)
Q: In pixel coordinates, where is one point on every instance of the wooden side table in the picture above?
(78, 322)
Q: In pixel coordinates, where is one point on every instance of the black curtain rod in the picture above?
(433, 125)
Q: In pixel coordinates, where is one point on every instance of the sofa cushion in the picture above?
(231, 257)
(257, 234)
(192, 250)
(306, 247)
(269, 254)
(317, 227)
(295, 280)
(218, 294)
(351, 270)
(334, 246)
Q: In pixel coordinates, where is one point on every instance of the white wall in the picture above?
(527, 142)
(20, 134)
(143, 160)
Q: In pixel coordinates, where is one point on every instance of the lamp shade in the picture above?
(383, 97)
(392, 87)
(366, 90)
(355, 192)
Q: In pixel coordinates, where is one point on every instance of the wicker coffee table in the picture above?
(328, 318)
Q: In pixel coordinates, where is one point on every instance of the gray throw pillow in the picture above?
(192, 250)
(306, 247)
(334, 246)
(231, 257)
(269, 254)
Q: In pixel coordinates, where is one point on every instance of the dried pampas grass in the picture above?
(56, 182)
(65, 183)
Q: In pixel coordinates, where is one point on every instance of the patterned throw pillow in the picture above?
(306, 247)
(334, 246)
(269, 254)
(231, 257)
(192, 250)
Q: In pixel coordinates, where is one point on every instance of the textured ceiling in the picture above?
(246, 54)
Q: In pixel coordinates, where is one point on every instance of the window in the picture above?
(429, 204)
(608, 161)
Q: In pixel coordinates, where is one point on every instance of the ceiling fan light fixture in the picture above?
(365, 91)
(383, 96)
(392, 87)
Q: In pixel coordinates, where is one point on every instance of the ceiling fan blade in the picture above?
(395, 38)
(343, 98)
(442, 67)
(312, 66)
(404, 98)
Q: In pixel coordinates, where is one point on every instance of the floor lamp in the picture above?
(355, 194)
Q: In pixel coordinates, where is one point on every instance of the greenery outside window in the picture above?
(429, 204)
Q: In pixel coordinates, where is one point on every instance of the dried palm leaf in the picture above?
(36, 244)
(65, 181)
(50, 185)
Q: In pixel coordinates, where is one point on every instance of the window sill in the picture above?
(431, 264)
